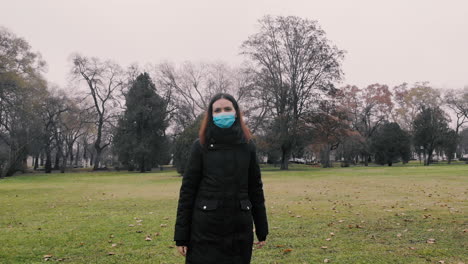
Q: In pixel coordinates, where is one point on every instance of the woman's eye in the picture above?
(217, 110)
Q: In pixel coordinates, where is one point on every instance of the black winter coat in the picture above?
(220, 195)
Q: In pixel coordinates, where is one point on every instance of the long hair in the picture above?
(208, 117)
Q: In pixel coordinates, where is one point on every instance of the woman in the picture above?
(221, 191)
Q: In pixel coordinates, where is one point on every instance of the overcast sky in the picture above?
(386, 41)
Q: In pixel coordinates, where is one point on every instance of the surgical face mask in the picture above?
(224, 120)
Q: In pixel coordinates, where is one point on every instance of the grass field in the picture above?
(402, 214)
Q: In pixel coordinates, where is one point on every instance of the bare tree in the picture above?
(189, 87)
(457, 101)
(103, 80)
(295, 64)
(409, 99)
(52, 107)
(22, 88)
(370, 108)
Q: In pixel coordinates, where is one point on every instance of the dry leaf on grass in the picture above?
(431, 241)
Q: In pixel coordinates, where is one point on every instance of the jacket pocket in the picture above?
(246, 205)
(208, 205)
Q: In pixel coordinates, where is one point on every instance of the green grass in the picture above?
(377, 215)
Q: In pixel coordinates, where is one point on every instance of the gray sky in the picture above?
(386, 41)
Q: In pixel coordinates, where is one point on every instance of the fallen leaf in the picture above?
(326, 261)
(431, 241)
(131, 225)
(279, 245)
(323, 247)
(163, 225)
(114, 245)
(110, 253)
(287, 250)
(328, 239)
(147, 238)
(398, 235)
(332, 234)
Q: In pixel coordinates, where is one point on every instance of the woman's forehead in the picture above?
(222, 103)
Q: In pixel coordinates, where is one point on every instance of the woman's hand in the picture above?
(182, 250)
(260, 244)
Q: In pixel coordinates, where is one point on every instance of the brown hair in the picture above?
(208, 117)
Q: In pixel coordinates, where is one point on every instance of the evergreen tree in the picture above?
(449, 144)
(140, 135)
(183, 142)
(390, 144)
(430, 127)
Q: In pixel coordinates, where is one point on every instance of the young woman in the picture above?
(221, 191)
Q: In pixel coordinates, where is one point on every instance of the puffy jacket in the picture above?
(221, 197)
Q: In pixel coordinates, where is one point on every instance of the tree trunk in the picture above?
(57, 160)
(77, 154)
(91, 159)
(97, 158)
(70, 151)
(429, 158)
(48, 163)
(142, 164)
(325, 157)
(284, 159)
(41, 159)
(36, 162)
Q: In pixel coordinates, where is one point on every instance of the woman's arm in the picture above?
(188, 191)
(257, 197)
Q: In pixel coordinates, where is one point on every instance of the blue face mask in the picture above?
(224, 120)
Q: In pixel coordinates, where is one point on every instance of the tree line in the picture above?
(290, 89)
